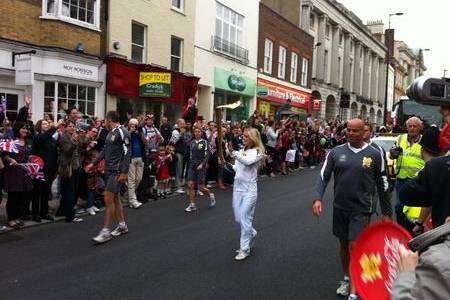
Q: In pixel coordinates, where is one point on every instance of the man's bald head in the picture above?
(355, 132)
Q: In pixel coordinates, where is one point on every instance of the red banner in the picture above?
(280, 94)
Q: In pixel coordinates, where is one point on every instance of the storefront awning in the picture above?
(271, 91)
(123, 81)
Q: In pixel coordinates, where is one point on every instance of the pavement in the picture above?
(169, 254)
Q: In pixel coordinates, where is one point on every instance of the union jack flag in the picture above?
(35, 167)
(9, 146)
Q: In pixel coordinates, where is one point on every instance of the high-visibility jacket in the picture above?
(412, 213)
(410, 161)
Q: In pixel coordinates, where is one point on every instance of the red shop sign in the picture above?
(280, 94)
(316, 104)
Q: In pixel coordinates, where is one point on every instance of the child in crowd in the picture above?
(163, 173)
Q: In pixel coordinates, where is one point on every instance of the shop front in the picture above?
(229, 88)
(53, 81)
(273, 97)
(140, 89)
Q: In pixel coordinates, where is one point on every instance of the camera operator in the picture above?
(407, 152)
(428, 276)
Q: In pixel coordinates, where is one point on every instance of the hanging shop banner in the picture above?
(264, 108)
(155, 84)
(280, 94)
(24, 69)
(232, 82)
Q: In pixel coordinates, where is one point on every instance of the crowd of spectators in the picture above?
(160, 157)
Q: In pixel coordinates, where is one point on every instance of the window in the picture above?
(69, 96)
(294, 64)
(176, 62)
(327, 31)
(84, 13)
(305, 64)
(312, 20)
(178, 5)
(138, 41)
(282, 62)
(229, 25)
(10, 102)
(339, 71)
(268, 56)
(325, 65)
(49, 99)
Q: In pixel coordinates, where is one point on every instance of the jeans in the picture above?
(134, 177)
(244, 204)
(400, 215)
(179, 172)
(69, 197)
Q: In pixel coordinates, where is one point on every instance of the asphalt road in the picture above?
(169, 254)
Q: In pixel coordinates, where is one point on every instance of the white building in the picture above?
(349, 63)
(226, 50)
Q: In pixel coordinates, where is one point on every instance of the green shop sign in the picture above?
(228, 81)
(155, 84)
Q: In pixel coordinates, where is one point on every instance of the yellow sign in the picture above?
(155, 84)
(264, 108)
(370, 265)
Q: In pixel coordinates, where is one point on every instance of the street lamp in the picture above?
(388, 63)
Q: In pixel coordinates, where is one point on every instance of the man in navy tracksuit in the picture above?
(358, 180)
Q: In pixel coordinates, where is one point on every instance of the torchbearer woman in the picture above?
(245, 190)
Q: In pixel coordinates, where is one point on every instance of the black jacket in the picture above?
(430, 188)
(45, 147)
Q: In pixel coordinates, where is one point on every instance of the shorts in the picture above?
(197, 176)
(111, 183)
(348, 225)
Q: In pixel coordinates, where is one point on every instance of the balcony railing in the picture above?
(230, 49)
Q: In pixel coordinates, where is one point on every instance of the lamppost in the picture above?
(388, 63)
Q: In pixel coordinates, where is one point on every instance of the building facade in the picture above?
(226, 50)
(150, 47)
(284, 64)
(50, 52)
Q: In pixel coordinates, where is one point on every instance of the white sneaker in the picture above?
(91, 211)
(103, 236)
(344, 288)
(95, 208)
(135, 204)
(212, 198)
(191, 208)
(77, 220)
(242, 255)
(119, 230)
(180, 191)
(199, 193)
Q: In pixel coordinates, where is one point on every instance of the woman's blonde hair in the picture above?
(255, 137)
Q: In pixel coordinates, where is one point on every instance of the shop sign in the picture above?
(264, 108)
(24, 69)
(316, 104)
(228, 81)
(155, 84)
(262, 90)
(281, 94)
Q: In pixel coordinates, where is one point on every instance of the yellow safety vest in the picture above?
(410, 161)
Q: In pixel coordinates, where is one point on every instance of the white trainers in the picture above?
(242, 255)
(119, 230)
(344, 288)
(353, 297)
(212, 198)
(91, 211)
(180, 191)
(191, 208)
(103, 236)
(199, 193)
(96, 209)
(135, 204)
(77, 220)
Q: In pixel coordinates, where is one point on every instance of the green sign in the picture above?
(155, 84)
(228, 81)
(262, 90)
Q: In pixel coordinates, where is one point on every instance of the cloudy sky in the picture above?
(423, 25)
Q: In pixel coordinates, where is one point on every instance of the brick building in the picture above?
(50, 50)
(284, 64)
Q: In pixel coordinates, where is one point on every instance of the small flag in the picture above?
(9, 146)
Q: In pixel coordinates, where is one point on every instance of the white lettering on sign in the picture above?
(283, 94)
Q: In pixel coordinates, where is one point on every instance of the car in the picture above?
(387, 142)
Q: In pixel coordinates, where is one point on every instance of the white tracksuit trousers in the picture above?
(244, 204)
